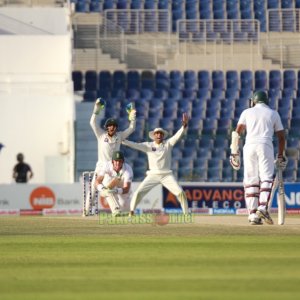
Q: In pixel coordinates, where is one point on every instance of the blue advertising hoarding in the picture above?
(225, 196)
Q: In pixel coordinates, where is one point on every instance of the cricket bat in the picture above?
(281, 198)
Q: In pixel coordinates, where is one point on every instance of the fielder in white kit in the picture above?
(114, 183)
(159, 154)
(109, 140)
(260, 122)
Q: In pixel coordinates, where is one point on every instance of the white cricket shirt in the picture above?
(159, 155)
(261, 122)
(106, 144)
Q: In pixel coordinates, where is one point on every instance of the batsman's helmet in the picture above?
(118, 155)
(260, 97)
(110, 122)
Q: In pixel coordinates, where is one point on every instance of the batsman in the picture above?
(260, 123)
(109, 140)
(114, 183)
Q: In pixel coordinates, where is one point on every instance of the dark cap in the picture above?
(118, 155)
(110, 122)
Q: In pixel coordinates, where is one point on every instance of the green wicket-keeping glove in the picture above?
(131, 112)
(99, 105)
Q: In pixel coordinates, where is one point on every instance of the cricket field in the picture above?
(215, 257)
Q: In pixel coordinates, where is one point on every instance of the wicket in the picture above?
(87, 178)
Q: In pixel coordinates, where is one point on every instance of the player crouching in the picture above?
(114, 183)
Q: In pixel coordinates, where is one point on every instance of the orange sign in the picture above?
(42, 197)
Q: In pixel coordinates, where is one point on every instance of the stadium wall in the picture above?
(36, 103)
(66, 199)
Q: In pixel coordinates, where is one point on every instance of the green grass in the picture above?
(61, 258)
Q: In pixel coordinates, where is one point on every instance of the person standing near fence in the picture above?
(109, 140)
(22, 171)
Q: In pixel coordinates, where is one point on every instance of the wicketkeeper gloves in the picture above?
(99, 105)
(131, 112)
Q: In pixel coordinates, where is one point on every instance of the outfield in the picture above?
(217, 257)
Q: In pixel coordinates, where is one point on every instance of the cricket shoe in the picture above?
(264, 214)
(254, 219)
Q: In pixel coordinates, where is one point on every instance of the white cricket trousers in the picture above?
(167, 180)
(258, 173)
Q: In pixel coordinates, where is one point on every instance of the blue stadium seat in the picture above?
(162, 80)
(232, 79)
(119, 80)
(289, 79)
(91, 80)
(77, 78)
(261, 80)
(246, 79)
(89, 96)
(218, 81)
(226, 113)
(194, 127)
(176, 15)
(284, 112)
(152, 122)
(212, 112)
(204, 79)
(80, 6)
(95, 6)
(200, 174)
(161, 94)
(108, 4)
(218, 153)
(163, 4)
(184, 105)
(146, 93)
(133, 80)
(132, 94)
(209, 126)
(245, 94)
(167, 124)
(136, 4)
(275, 81)
(198, 112)
(175, 93)
(273, 4)
(231, 94)
(205, 14)
(149, 4)
(297, 3)
(190, 79)
(105, 80)
(176, 79)
(287, 3)
(147, 80)
(170, 103)
(224, 126)
(121, 4)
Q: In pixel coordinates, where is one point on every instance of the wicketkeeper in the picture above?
(109, 140)
(159, 153)
(114, 183)
(260, 122)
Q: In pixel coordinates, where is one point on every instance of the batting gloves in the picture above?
(281, 162)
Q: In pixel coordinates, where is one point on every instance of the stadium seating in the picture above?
(214, 101)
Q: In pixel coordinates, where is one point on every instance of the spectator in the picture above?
(22, 171)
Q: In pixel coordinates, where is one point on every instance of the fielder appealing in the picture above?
(260, 122)
(159, 159)
(109, 140)
(114, 183)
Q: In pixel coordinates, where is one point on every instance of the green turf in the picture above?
(61, 258)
